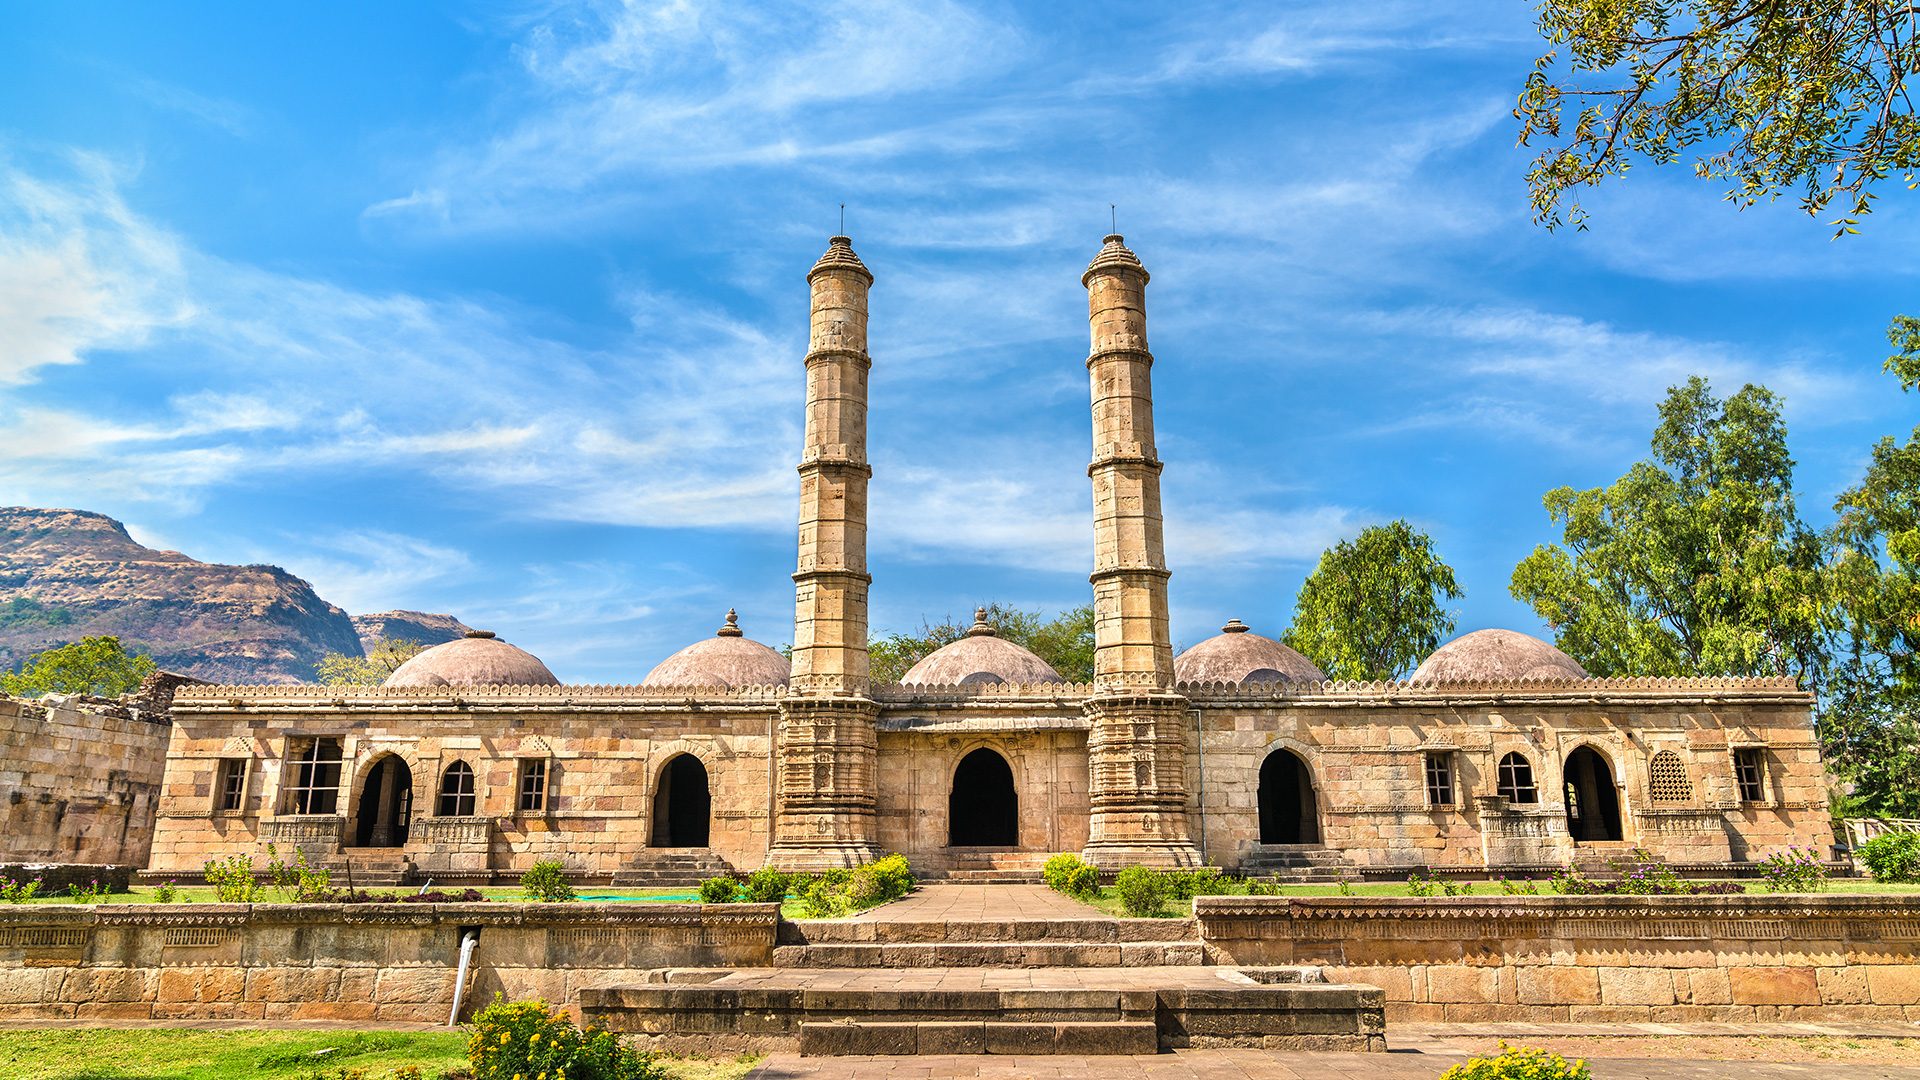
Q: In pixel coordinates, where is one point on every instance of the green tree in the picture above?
(1870, 719)
(1064, 641)
(382, 658)
(1374, 605)
(1768, 96)
(1693, 563)
(99, 666)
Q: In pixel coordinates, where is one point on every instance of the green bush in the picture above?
(766, 886)
(1520, 1063)
(1794, 869)
(1143, 892)
(836, 894)
(1069, 873)
(520, 1040)
(719, 890)
(295, 879)
(1892, 856)
(546, 880)
(18, 891)
(1206, 881)
(232, 879)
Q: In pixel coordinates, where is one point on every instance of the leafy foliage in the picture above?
(1892, 857)
(719, 890)
(836, 894)
(99, 666)
(1064, 641)
(1794, 869)
(232, 879)
(1143, 892)
(382, 659)
(18, 890)
(765, 886)
(546, 880)
(521, 1040)
(1640, 873)
(1693, 563)
(1070, 874)
(25, 611)
(1520, 1063)
(1767, 97)
(296, 880)
(1375, 605)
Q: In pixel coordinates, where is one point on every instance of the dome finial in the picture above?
(981, 628)
(479, 633)
(1234, 626)
(732, 629)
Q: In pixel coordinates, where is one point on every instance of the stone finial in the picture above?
(840, 256)
(732, 629)
(980, 627)
(1114, 255)
(1234, 626)
(480, 633)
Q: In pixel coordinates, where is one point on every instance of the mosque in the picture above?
(1499, 755)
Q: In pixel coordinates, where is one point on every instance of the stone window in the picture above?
(533, 785)
(1667, 779)
(230, 785)
(1750, 772)
(1516, 779)
(456, 790)
(1440, 790)
(316, 777)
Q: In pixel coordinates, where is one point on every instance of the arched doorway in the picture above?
(682, 804)
(983, 810)
(385, 809)
(1593, 803)
(1289, 814)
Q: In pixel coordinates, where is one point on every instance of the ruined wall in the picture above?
(386, 962)
(1366, 749)
(1594, 959)
(77, 783)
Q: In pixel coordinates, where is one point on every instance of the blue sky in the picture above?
(498, 309)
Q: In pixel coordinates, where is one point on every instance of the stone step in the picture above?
(988, 877)
(672, 868)
(1012, 931)
(866, 1037)
(1057, 954)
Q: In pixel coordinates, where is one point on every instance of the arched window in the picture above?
(1667, 779)
(1516, 780)
(456, 790)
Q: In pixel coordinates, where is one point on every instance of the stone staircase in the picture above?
(372, 868)
(991, 867)
(1294, 863)
(1052, 943)
(671, 868)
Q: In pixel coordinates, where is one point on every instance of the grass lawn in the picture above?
(1109, 901)
(203, 894)
(160, 1054)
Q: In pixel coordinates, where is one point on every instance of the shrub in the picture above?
(166, 892)
(1520, 1063)
(1519, 887)
(1892, 856)
(1794, 869)
(1640, 874)
(838, 893)
(1420, 884)
(822, 900)
(437, 896)
(1206, 881)
(892, 877)
(232, 879)
(765, 886)
(18, 891)
(546, 880)
(1143, 892)
(719, 890)
(527, 1039)
(295, 880)
(91, 893)
(1070, 874)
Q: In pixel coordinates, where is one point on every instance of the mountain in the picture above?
(420, 626)
(67, 574)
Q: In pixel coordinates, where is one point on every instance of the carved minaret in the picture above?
(1137, 746)
(825, 811)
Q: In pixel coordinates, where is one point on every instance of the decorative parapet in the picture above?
(451, 832)
(318, 835)
(1339, 693)
(1711, 910)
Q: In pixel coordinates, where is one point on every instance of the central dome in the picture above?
(728, 659)
(478, 659)
(1237, 655)
(982, 656)
(1496, 656)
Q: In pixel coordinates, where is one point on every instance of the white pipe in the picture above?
(460, 980)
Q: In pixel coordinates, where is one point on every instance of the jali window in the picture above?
(456, 790)
(1516, 780)
(533, 785)
(316, 777)
(1667, 779)
(1750, 773)
(1440, 789)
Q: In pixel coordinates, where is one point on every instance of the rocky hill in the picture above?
(67, 574)
(420, 626)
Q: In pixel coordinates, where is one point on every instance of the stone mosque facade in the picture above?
(1500, 755)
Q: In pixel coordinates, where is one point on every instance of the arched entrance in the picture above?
(1593, 803)
(386, 805)
(1289, 814)
(682, 804)
(983, 809)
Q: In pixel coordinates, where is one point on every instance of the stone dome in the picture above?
(1496, 656)
(728, 658)
(1237, 655)
(478, 659)
(980, 657)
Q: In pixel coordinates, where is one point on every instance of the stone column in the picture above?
(824, 812)
(1137, 746)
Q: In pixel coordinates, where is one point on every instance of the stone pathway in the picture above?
(940, 902)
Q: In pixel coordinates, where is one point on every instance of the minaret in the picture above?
(1137, 745)
(824, 815)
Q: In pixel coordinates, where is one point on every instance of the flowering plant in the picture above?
(1520, 1063)
(531, 1040)
(1794, 869)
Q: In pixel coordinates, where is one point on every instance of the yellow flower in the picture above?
(505, 1036)
(536, 1037)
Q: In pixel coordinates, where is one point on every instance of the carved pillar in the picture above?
(824, 813)
(1137, 746)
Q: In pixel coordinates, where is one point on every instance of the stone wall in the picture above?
(346, 962)
(1594, 959)
(78, 784)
